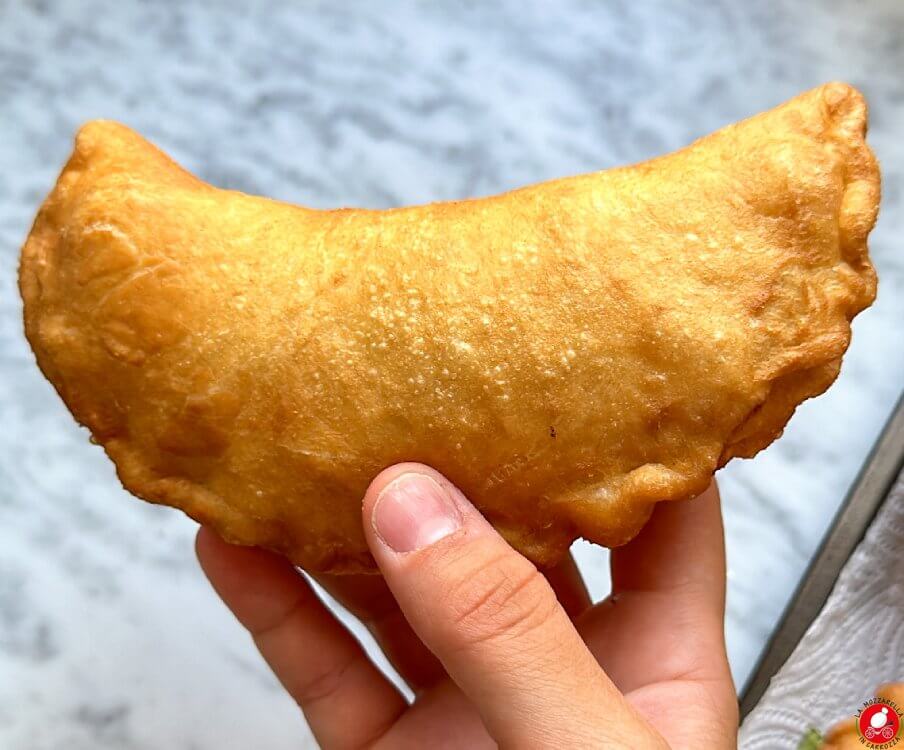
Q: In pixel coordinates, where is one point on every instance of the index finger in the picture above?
(665, 617)
(680, 550)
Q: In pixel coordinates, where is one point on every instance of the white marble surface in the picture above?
(109, 638)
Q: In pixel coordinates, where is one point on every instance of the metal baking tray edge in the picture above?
(863, 501)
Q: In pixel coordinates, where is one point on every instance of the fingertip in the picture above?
(682, 547)
(236, 570)
(390, 475)
(712, 492)
(205, 542)
(212, 553)
(215, 556)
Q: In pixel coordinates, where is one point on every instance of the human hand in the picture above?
(494, 651)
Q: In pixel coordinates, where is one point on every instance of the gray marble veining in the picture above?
(109, 638)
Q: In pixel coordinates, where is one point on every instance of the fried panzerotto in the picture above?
(569, 353)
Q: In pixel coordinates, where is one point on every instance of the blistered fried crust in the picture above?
(569, 353)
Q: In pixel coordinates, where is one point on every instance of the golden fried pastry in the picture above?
(846, 736)
(568, 354)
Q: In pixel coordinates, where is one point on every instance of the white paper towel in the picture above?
(855, 644)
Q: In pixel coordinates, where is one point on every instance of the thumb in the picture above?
(491, 618)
